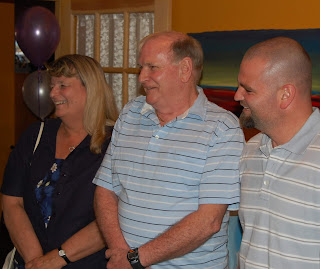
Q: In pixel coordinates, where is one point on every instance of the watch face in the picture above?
(132, 255)
(61, 252)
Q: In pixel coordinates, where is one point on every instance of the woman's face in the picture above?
(69, 97)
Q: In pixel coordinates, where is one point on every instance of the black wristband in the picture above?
(133, 258)
(63, 255)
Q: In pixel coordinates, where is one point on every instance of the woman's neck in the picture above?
(68, 138)
(73, 129)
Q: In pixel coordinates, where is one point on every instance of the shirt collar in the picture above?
(198, 108)
(299, 143)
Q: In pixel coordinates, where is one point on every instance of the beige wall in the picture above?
(6, 82)
(194, 16)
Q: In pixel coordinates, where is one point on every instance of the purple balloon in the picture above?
(36, 93)
(38, 34)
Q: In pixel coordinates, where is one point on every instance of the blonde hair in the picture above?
(100, 109)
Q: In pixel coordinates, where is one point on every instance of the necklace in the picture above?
(71, 148)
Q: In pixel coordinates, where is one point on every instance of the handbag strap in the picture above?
(39, 136)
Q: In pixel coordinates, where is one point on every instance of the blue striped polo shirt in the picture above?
(162, 173)
(280, 201)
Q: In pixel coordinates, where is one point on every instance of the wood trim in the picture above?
(116, 10)
(73, 37)
(162, 15)
(125, 90)
(121, 70)
(97, 25)
(125, 94)
(126, 39)
(108, 4)
(65, 19)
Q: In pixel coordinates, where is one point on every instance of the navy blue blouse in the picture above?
(72, 197)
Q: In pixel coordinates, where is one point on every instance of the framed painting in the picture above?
(223, 52)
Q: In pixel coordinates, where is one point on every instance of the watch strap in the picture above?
(63, 255)
(133, 258)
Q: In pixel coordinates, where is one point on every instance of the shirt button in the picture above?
(157, 137)
(266, 182)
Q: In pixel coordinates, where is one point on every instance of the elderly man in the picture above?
(171, 174)
(280, 167)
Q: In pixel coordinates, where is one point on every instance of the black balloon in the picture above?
(38, 34)
(36, 93)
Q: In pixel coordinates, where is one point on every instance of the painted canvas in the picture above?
(223, 52)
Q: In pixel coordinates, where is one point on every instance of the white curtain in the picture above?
(111, 45)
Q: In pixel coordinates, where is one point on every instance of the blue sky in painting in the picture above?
(223, 51)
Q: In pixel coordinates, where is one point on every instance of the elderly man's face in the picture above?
(159, 74)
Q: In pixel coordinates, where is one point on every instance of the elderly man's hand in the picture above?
(118, 259)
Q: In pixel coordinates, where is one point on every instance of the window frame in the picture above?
(66, 16)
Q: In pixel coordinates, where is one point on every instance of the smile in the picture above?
(60, 102)
(244, 107)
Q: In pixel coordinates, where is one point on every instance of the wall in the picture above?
(6, 82)
(190, 16)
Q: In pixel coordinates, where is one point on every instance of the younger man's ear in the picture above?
(185, 70)
(287, 94)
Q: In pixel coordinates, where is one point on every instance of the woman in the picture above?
(48, 195)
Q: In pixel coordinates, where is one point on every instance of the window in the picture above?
(111, 36)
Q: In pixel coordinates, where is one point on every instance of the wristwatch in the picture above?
(63, 255)
(133, 258)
